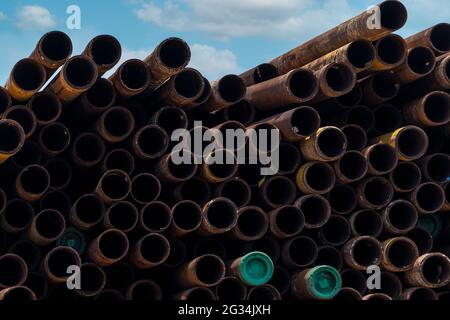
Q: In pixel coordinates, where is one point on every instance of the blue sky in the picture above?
(226, 36)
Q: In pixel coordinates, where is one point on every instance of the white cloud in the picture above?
(34, 17)
(2, 16)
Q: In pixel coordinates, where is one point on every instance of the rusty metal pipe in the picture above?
(299, 252)
(362, 252)
(37, 283)
(315, 208)
(109, 247)
(356, 137)
(374, 192)
(187, 217)
(32, 182)
(114, 185)
(219, 166)
(24, 116)
(46, 107)
(60, 173)
(390, 285)
(330, 256)
(252, 224)
(93, 280)
(105, 51)
(16, 216)
(435, 38)
(230, 141)
(405, 177)
(219, 216)
(435, 167)
(203, 98)
(57, 261)
(419, 294)
(260, 73)
(119, 159)
(391, 52)
(295, 87)
(28, 155)
(150, 251)
(342, 199)
(420, 62)
(14, 270)
(348, 100)
(361, 116)
(150, 142)
(398, 254)
(46, 227)
(88, 150)
(429, 111)
(351, 167)
(381, 159)
(122, 216)
(366, 222)
(198, 190)
(145, 188)
(231, 288)
(290, 159)
(17, 293)
(393, 16)
(379, 88)
(56, 200)
(96, 99)
(265, 292)
(196, 294)
(12, 139)
(25, 80)
(335, 232)
(277, 191)
(286, 221)
(156, 216)
(178, 253)
(429, 197)
(170, 119)
(327, 144)
(422, 238)
(115, 124)
(431, 270)
(243, 112)
(131, 79)
(387, 118)
(335, 80)
(355, 279)
(348, 294)
(205, 271)
(315, 177)
(226, 91)
(53, 139)
(236, 189)
(87, 212)
(377, 297)
(144, 290)
(167, 171)
(5, 100)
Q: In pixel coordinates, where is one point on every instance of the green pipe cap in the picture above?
(256, 268)
(324, 282)
(431, 223)
(74, 239)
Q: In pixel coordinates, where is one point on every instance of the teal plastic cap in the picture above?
(431, 223)
(324, 282)
(256, 268)
(74, 239)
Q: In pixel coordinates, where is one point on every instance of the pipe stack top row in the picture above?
(88, 181)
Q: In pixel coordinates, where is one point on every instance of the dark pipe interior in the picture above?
(12, 271)
(230, 131)
(172, 118)
(29, 154)
(34, 179)
(352, 98)
(146, 291)
(329, 256)
(390, 285)
(56, 200)
(188, 83)
(305, 121)
(183, 170)
(340, 78)
(29, 74)
(156, 216)
(269, 246)
(37, 283)
(347, 294)
(356, 137)
(18, 294)
(303, 251)
(101, 94)
(105, 50)
(290, 158)
(378, 192)
(437, 107)
(210, 269)
(50, 224)
(440, 37)
(406, 176)
(280, 191)
(93, 278)
(113, 244)
(403, 215)
(412, 141)
(24, 117)
(320, 176)
(391, 49)
(360, 53)
(58, 261)
(342, 198)
(422, 239)
(206, 93)
(115, 185)
(387, 118)
(223, 170)
(436, 269)
(423, 294)
(174, 53)
(316, 210)
(430, 197)
(290, 220)
(46, 107)
(145, 188)
(56, 46)
(383, 158)
(152, 140)
(154, 248)
(264, 72)
(55, 137)
(178, 253)
(242, 112)
(123, 215)
(201, 294)
(80, 72)
(118, 122)
(60, 172)
(236, 190)
(210, 246)
(361, 116)
(252, 223)
(197, 190)
(89, 148)
(438, 167)
(421, 60)
(393, 14)
(353, 165)
(5, 100)
(89, 209)
(385, 85)
(332, 142)
(368, 223)
(303, 84)
(221, 214)
(187, 215)
(251, 173)
(18, 213)
(120, 276)
(402, 254)
(354, 279)
(336, 231)
(134, 74)
(263, 293)
(231, 289)
(367, 252)
(232, 88)
(119, 159)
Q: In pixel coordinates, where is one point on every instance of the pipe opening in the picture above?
(378, 192)
(412, 142)
(5, 100)
(89, 209)
(59, 259)
(402, 253)
(115, 185)
(13, 270)
(303, 84)
(18, 214)
(356, 137)
(46, 107)
(134, 74)
(436, 269)
(23, 116)
(422, 239)
(250, 173)
(188, 83)
(29, 154)
(113, 244)
(430, 197)
(156, 216)
(231, 289)
(118, 122)
(19, 294)
(348, 294)
(38, 284)
(440, 37)
(336, 231)
(242, 112)
(183, 171)
(60, 173)
(29, 74)
(206, 93)
(305, 121)
(56, 46)
(391, 285)
(232, 89)
(342, 199)
(263, 293)
(50, 224)
(421, 60)
(178, 253)
(123, 216)
(238, 191)
(252, 222)
(187, 215)
(230, 131)
(406, 176)
(352, 98)
(436, 107)
(329, 256)
(316, 210)
(152, 140)
(367, 252)
(354, 279)
(383, 158)
(105, 50)
(319, 176)
(174, 53)
(303, 251)
(146, 290)
(391, 49)
(422, 294)
(154, 248)
(210, 269)
(210, 246)
(221, 214)
(340, 78)
(56, 200)
(387, 118)
(200, 294)
(3, 201)
(172, 118)
(393, 14)
(385, 85)
(89, 148)
(268, 246)
(332, 142)
(119, 159)
(120, 276)
(438, 167)
(367, 223)
(55, 137)
(361, 53)
(197, 190)
(290, 220)
(34, 179)
(93, 279)
(80, 72)
(102, 94)
(290, 158)
(223, 170)
(280, 191)
(353, 165)
(264, 72)
(361, 116)
(145, 188)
